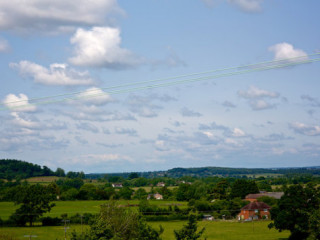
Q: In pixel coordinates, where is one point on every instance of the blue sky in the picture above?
(259, 119)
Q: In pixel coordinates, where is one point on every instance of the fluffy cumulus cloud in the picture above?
(56, 74)
(23, 122)
(18, 103)
(260, 104)
(237, 132)
(255, 92)
(54, 15)
(287, 51)
(305, 129)
(94, 96)
(256, 97)
(247, 5)
(4, 45)
(100, 47)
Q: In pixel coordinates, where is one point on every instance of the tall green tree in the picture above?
(242, 187)
(298, 212)
(119, 223)
(189, 231)
(35, 200)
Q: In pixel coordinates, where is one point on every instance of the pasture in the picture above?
(217, 230)
(73, 207)
(214, 230)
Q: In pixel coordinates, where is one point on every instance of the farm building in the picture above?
(253, 197)
(161, 184)
(156, 196)
(117, 185)
(254, 211)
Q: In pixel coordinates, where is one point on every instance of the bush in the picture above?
(49, 221)
(86, 218)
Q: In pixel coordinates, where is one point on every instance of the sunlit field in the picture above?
(220, 230)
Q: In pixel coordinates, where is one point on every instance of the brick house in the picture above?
(255, 211)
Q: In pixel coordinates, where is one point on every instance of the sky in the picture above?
(69, 50)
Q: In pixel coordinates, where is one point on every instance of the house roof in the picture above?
(276, 195)
(256, 205)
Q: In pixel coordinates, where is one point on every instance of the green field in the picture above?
(73, 207)
(214, 230)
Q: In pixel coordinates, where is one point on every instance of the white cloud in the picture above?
(281, 151)
(304, 129)
(56, 74)
(94, 96)
(254, 92)
(238, 132)
(256, 97)
(287, 51)
(24, 123)
(4, 45)
(18, 103)
(54, 15)
(247, 5)
(90, 159)
(260, 104)
(100, 47)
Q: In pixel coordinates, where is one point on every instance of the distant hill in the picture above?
(13, 169)
(215, 171)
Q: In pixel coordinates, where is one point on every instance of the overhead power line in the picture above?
(162, 82)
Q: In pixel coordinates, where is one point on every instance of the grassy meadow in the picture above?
(73, 207)
(217, 230)
(214, 230)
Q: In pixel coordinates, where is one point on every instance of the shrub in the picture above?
(49, 221)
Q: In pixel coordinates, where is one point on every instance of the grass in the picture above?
(43, 233)
(220, 230)
(44, 179)
(73, 207)
(214, 230)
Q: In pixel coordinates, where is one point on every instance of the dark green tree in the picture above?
(298, 211)
(189, 231)
(133, 175)
(125, 193)
(242, 187)
(60, 172)
(35, 200)
(220, 190)
(141, 193)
